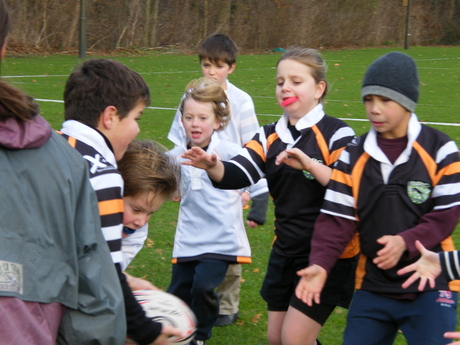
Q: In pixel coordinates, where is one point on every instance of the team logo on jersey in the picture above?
(418, 191)
(11, 277)
(308, 174)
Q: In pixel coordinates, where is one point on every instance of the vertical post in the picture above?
(406, 3)
(82, 50)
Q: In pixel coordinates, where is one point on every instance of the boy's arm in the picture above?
(433, 228)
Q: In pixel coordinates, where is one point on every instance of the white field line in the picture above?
(275, 115)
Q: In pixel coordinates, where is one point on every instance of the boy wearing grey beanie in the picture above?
(396, 184)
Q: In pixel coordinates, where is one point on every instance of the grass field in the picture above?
(43, 77)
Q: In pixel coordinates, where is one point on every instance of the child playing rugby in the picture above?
(395, 184)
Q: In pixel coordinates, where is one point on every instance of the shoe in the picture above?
(197, 342)
(225, 320)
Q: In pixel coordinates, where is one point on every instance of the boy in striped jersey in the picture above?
(395, 184)
(103, 100)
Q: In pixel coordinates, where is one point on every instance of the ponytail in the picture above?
(15, 103)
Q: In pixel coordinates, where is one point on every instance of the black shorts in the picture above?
(278, 288)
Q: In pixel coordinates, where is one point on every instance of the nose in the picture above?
(140, 221)
(195, 122)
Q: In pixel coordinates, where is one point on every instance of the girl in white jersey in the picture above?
(210, 231)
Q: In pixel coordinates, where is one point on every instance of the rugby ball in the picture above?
(170, 310)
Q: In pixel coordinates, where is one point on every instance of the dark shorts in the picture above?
(278, 288)
(375, 320)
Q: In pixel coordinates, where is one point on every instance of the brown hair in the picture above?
(218, 47)
(13, 102)
(99, 83)
(206, 90)
(311, 58)
(146, 167)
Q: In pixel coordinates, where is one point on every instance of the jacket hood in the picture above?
(18, 134)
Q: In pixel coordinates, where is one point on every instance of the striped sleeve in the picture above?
(446, 190)
(339, 199)
(109, 195)
(450, 264)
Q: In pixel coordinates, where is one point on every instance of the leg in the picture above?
(258, 211)
(428, 317)
(182, 280)
(205, 302)
(299, 329)
(275, 324)
(370, 320)
(229, 296)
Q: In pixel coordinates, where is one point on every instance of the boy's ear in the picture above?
(232, 68)
(108, 118)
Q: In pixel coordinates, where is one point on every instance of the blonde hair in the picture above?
(206, 90)
(146, 167)
(311, 58)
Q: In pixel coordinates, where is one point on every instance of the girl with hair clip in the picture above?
(210, 231)
(294, 154)
(51, 248)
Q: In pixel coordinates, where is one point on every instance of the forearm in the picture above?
(216, 173)
(330, 238)
(321, 172)
(433, 228)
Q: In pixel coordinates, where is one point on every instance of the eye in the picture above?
(367, 99)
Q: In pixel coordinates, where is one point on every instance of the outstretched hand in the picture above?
(199, 158)
(427, 268)
(311, 284)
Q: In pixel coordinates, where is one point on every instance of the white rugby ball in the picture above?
(168, 309)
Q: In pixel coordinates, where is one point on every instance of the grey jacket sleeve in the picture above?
(100, 315)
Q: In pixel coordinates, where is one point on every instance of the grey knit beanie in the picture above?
(393, 75)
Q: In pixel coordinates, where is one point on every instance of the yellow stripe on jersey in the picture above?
(334, 156)
(341, 177)
(322, 145)
(360, 271)
(357, 173)
(110, 207)
(429, 163)
(254, 145)
(271, 139)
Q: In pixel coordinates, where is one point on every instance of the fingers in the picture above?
(281, 157)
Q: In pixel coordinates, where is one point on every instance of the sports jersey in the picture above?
(210, 223)
(104, 177)
(405, 198)
(296, 194)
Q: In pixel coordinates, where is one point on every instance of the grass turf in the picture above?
(43, 77)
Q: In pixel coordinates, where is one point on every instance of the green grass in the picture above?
(167, 75)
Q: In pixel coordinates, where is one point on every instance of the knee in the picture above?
(274, 338)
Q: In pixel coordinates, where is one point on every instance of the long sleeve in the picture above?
(450, 264)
